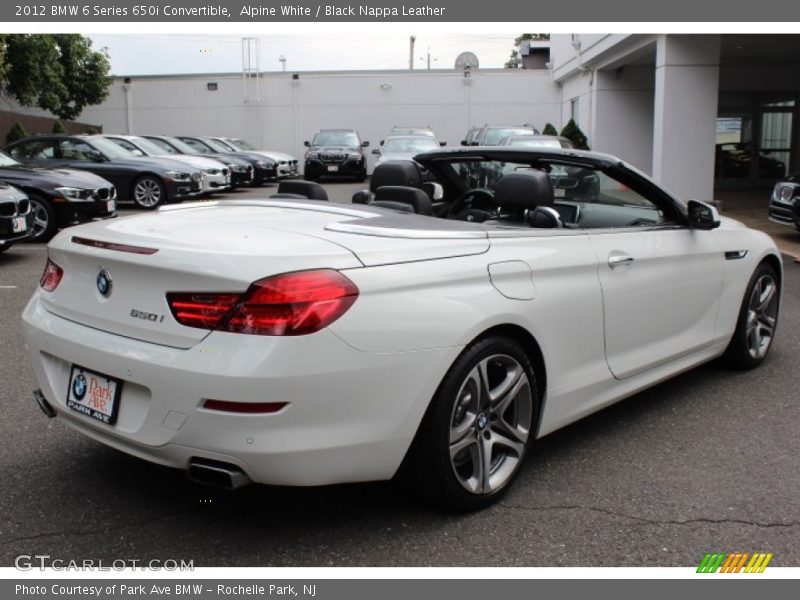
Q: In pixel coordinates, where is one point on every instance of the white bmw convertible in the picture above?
(476, 299)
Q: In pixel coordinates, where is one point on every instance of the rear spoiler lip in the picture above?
(115, 246)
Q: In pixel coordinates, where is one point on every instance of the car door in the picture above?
(78, 154)
(661, 281)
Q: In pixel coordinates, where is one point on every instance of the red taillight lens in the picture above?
(205, 311)
(51, 277)
(247, 408)
(291, 304)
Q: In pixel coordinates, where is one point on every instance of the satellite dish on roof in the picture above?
(467, 60)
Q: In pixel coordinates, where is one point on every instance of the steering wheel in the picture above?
(465, 202)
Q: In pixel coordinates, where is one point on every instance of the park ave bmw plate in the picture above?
(94, 395)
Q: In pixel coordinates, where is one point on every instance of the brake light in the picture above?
(283, 305)
(51, 277)
(250, 408)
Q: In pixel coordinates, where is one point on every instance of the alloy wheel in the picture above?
(147, 193)
(41, 218)
(490, 424)
(762, 314)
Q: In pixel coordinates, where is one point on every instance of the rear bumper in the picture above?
(351, 415)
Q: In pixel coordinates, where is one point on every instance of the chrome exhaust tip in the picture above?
(44, 405)
(216, 474)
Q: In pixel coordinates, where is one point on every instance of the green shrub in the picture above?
(58, 127)
(17, 132)
(574, 134)
(549, 129)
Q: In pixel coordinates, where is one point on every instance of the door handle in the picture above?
(619, 260)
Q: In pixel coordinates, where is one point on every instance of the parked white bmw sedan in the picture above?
(216, 175)
(299, 342)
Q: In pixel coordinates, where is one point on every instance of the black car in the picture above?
(492, 135)
(59, 197)
(264, 169)
(784, 205)
(336, 153)
(16, 217)
(147, 181)
(241, 169)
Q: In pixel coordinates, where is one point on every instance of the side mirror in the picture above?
(464, 143)
(702, 216)
(362, 197)
(365, 144)
(382, 142)
(474, 144)
(376, 151)
(443, 143)
(307, 144)
(95, 156)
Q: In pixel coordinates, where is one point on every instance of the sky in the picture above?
(156, 54)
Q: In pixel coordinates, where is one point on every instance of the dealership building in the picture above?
(700, 113)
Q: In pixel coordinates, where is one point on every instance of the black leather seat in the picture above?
(395, 172)
(418, 200)
(527, 198)
(301, 189)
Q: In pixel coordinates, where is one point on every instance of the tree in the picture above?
(58, 127)
(60, 73)
(515, 60)
(574, 134)
(549, 129)
(17, 132)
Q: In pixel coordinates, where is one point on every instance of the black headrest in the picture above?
(416, 198)
(307, 189)
(518, 192)
(395, 172)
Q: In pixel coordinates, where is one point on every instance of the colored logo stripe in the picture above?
(734, 562)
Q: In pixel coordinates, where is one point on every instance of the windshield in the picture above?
(7, 161)
(409, 145)
(180, 145)
(336, 138)
(494, 135)
(149, 148)
(241, 144)
(109, 148)
(216, 146)
(535, 143)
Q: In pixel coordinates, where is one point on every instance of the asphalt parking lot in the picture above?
(708, 461)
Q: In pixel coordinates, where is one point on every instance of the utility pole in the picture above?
(412, 39)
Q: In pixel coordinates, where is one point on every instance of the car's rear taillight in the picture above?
(290, 304)
(204, 311)
(51, 277)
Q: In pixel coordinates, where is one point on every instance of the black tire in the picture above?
(45, 219)
(742, 353)
(436, 467)
(148, 192)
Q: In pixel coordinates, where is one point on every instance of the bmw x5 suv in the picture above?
(336, 153)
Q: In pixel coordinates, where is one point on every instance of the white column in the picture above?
(685, 111)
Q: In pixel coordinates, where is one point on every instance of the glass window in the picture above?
(199, 146)
(336, 138)
(575, 110)
(163, 146)
(36, 149)
(495, 135)
(75, 150)
(409, 145)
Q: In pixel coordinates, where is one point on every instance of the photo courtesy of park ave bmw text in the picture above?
(345, 299)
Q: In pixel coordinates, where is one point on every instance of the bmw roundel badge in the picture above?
(104, 283)
(79, 387)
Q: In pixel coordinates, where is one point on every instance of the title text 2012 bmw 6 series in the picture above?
(298, 342)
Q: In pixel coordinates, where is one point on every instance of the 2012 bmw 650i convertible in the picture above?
(302, 342)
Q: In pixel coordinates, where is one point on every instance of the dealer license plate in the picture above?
(333, 168)
(19, 224)
(94, 395)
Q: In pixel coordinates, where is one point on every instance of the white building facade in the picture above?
(697, 112)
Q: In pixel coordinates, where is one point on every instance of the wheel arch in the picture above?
(775, 262)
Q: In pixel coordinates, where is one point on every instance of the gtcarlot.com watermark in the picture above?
(42, 562)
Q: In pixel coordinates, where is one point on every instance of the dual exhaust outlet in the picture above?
(209, 472)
